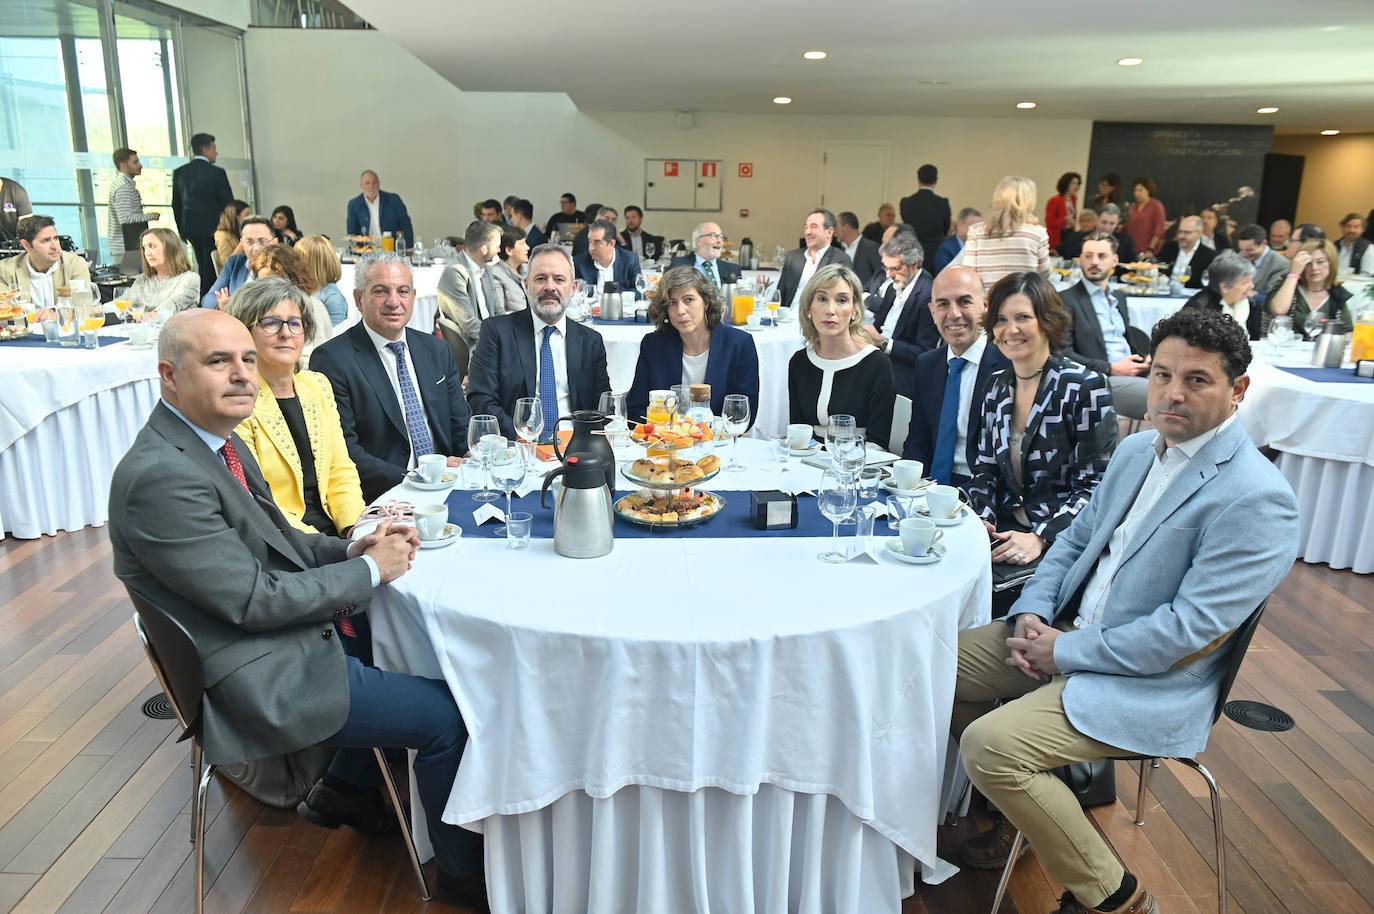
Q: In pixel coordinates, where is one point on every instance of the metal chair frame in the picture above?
(188, 717)
(1242, 642)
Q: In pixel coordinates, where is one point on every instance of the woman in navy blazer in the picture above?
(686, 312)
(1048, 424)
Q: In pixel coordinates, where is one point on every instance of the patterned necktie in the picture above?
(231, 460)
(548, 381)
(942, 461)
(421, 443)
(710, 268)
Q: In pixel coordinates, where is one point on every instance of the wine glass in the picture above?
(483, 430)
(529, 421)
(507, 471)
(735, 412)
(641, 285)
(841, 426)
(837, 501)
(848, 454)
(612, 405)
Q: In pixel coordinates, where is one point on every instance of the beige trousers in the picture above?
(1009, 751)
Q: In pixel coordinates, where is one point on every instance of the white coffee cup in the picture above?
(140, 334)
(907, 473)
(943, 501)
(430, 521)
(919, 535)
(754, 321)
(798, 436)
(432, 467)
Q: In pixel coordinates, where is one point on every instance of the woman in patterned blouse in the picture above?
(1048, 424)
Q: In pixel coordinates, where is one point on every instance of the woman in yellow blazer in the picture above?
(295, 416)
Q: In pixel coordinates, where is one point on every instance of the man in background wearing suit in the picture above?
(816, 252)
(603, 213)
(860, 251)
(1270, 267)
(1118, 644)
(927, 212)
(951, 380)
(1109, 221)
(375, 211)
(255, 234)
(1186, 254)
(466, 288)
(398, 390)
(951, 246)
(1100, 321)
(708, 241)
(522, 217)
(644, 245)
(604, 261)
(560, 362)
(195, 533)
(200, 192)
(902, 326)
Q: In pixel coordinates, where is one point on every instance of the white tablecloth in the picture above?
(66, 418)
(1147, 310)
(733, 739)
(1324, 434)
(775, 347)
(426, 298)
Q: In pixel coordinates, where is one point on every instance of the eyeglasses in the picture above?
(272, 326)
(256, 242)
(713, 235)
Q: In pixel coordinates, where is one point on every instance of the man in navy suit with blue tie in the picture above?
(947, 411)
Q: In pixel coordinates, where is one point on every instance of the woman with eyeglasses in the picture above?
(294, 431)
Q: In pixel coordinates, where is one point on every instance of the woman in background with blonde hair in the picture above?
(168, 280)
(319, 274)
(1009, 239)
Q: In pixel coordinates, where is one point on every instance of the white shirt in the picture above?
(968, 379)
(389, 363)
(558, 347)
(605, 274)
(694, 368)
(475, 271)
(1240, 311)
(1183, 262)
(812, 261)
(1366, 264)
(851, 249)
(636, 242)
(894, 314)
(40, 284)
(374, 219)
(1169, 461)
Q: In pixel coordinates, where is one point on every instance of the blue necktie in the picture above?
(421, 442)
(942, 462)
(548, 383)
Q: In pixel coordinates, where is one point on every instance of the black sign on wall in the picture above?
(1193, 165)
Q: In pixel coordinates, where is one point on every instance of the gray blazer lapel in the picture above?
(370, 364)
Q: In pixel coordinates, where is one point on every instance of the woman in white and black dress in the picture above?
(839, 372)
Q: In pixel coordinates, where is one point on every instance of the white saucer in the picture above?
(894, 546)
(964, 511)
(891, 486)
(451, 534)
(746, 327)
(815, 448)
(448, 480)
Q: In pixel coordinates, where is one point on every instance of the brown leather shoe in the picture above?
(989, 850)
(1142, 903)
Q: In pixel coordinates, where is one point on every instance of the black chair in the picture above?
(1240, 641)
(177, 666)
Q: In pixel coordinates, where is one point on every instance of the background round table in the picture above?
(694, 722)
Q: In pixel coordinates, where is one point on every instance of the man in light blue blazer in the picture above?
(1118, 644)
(254, 234)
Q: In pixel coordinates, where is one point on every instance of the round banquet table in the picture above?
(694, 722)
(68, 415)
(1323, 431)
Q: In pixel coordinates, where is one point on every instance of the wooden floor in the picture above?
(94, 796)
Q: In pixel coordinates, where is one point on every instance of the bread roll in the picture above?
(642, 468)
(660, 474)
(709, 464)
(687, 472)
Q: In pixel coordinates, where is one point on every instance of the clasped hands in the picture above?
(392, 547)
(1032, 648)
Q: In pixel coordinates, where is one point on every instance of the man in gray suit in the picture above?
(466, 289)
(1270, 265)
(194, 531)
(816, 252)
(1118, 644)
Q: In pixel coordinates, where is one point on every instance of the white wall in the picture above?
(1337, 178)
(229, 12)
(356, 100)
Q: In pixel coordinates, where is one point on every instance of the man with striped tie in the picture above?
(538, 352)
(399, 391)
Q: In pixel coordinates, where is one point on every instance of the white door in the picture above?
(853, 177)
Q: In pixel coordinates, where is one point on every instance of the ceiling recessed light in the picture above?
(813, 55)
(1267, 110)
(1130, 61)
(1330, 132)
(781, 100)
(1025, 106)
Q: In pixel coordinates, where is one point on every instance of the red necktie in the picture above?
(231, 460)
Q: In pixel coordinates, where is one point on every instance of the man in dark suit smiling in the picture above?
(399, 391)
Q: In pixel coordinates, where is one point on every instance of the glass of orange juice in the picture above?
(772, 306)
(742, 307)
(123, 305)
(91, 318)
